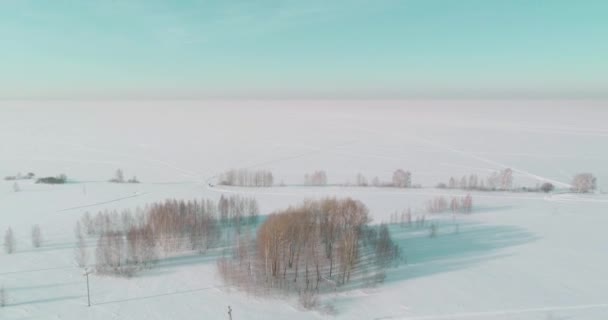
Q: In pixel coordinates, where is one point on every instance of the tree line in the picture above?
(130, 241)
(499, 180)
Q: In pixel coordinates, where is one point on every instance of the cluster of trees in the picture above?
(119, 177)
(317, 178)
(319, 244)
(503, 180)
(10, 242)
(130, 241)
(124, 254)
(584, 182)
(498, 180)
(247, 178)
(20, 176)
(60, 179)
(457, 204)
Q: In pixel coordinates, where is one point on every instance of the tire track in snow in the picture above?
(492, 162)
(474, 156)
(104, 202)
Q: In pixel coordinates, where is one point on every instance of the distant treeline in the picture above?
(247, 178)
(19, 176)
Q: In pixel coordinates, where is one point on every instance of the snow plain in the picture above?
(518, 256)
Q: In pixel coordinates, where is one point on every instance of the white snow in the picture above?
(518, 256)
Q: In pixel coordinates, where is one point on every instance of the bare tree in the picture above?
(506, 180)
(584, 182)
(437, 204)
(402, 179)
(36, 236)
(16, 187)
(9, 241)
(467, 203)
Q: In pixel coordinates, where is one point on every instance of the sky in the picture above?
(303, 49)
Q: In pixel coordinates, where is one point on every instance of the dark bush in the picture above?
(547, 187)
(53, 180)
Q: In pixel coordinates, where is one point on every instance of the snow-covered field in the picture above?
(518, 256)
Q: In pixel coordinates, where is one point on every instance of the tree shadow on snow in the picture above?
(481, 209)
(456, 245)
(46, 300)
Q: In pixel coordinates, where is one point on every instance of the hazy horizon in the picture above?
(359, 49)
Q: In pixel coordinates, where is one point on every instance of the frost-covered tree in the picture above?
(36, 236)
(80, 252)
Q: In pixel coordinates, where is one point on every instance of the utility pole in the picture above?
(229, 313)
(86, 274)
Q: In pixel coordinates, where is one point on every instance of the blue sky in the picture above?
(303, 49)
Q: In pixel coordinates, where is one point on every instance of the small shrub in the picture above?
(308, 299)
